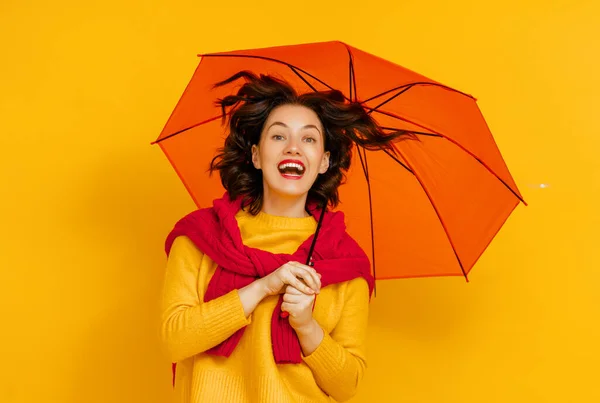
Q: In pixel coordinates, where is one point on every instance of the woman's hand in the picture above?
(303, 278)
(299, 305)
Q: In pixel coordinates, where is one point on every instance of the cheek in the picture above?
(269, 159)
(317, 154)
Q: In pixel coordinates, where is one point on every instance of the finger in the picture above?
(293, 298)
(316, 275)
(294, 276)
(294, 280)
(309, 275)
(307, 278)
(287, 307)
(303, 266)
(293, 290)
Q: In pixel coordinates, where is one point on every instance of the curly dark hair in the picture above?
(344, 123)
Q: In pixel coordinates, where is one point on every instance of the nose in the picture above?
(292, 147)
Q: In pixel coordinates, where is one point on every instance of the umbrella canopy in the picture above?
(429, 210)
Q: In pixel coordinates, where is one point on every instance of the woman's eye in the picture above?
(310, 140)
(277, 137)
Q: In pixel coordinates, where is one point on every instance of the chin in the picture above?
(291, 193)
(291, 190)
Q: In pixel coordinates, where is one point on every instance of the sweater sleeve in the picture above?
(339, 362)
(190, 326)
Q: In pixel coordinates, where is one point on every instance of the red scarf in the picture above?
(336, 256)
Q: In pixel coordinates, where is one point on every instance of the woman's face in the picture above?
(291, 151)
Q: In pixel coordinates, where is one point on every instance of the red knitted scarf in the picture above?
(336, 256)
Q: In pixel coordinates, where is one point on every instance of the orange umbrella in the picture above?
(430, 210)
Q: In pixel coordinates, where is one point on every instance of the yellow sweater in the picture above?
(191, 326)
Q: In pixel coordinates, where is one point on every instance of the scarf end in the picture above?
(286, 346)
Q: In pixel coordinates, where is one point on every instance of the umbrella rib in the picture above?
(387, 100)
(186, 129)
(417, 83)
(352, 75)
(392, 156)
(439, 216)
(275, 61)
(302, 78)
(395, 129)
(456, 143)
(365, 167)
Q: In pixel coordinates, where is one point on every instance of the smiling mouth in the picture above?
(291, 169)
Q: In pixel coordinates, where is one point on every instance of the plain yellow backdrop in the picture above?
(87, 202)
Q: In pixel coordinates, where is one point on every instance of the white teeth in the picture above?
(292, 165)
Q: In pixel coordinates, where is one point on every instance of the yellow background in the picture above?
(87, 202)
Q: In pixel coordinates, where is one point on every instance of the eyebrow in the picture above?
(286, 126)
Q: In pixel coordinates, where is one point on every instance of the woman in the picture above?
(240, 315)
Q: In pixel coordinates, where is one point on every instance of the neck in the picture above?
(284, 206)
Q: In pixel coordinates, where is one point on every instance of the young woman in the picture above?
(253, 310)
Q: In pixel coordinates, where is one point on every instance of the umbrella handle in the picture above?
(286, 314)
(309, 259)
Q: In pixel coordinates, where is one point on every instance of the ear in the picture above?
(324, 163)
(255, 157)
